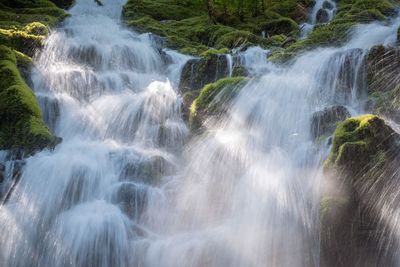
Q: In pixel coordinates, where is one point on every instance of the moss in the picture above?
(24, 24)
(187, 27)
(213, 97)
(214, 51)
(21, 124)
(357, 140)
(280, 26)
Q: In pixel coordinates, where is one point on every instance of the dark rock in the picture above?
(198, 72)
(2, 172)
(148, 170)
(132, 198)
(324, 121)
(327, 5)
(398, 36)
(322, 16)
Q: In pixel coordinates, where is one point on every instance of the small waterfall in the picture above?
(254, 59)
(322, 12)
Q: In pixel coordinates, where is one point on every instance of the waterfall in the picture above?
(127, 187)
(322, 12)
(109, 93)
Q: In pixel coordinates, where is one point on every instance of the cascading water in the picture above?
(118, 192)
(248, 194)
(106, 92)
(322, 12)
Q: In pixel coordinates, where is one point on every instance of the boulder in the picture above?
(198, 72)
(132, 198)
(361, 170)
(324, 121)
(148, 170)
(327, 5)
(322, 16)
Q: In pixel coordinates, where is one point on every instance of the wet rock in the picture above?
(346, 72)
(2, 172)
(50, 110)
(327, 5)
(148, 170)
(324, 121)
(132, 198)
(398, 36)
(322, 16)
(361, 167)
(198, 72)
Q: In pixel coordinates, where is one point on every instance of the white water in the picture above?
(246, 193)
(328, 6)
(121, 124)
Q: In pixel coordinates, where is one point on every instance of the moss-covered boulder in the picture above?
(363, 147)
(213, 100)
(21, 124)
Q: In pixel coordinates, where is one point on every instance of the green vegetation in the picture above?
(24, 24)
(350, 13)
(213, 98)
(21, 124)
(196, 26)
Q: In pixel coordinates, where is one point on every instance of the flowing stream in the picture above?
(127, 187)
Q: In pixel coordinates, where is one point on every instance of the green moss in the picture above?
(21, 124)
(24, 24)
(213, 97)
(187, 27)
(280, 26)
(214, 51)
(358, 139)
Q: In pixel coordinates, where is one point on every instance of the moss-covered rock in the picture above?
(358, 139)
(21, 124)
(213, 99)
(24, 24)
(363, 148)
